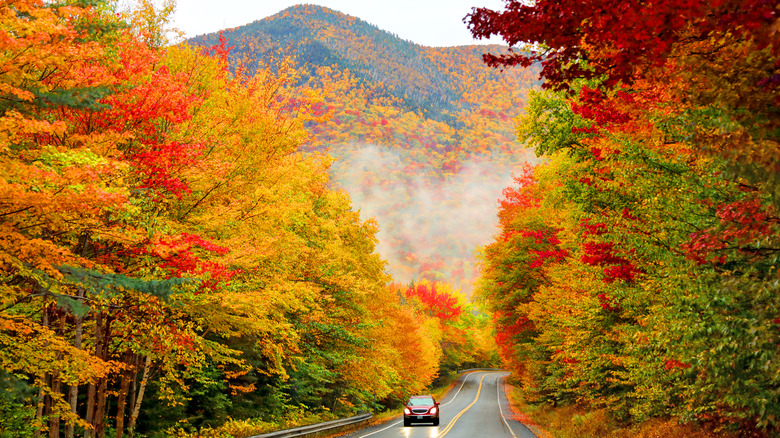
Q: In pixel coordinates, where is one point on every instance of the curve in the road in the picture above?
(449, 425)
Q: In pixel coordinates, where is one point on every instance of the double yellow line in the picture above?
(451, 424)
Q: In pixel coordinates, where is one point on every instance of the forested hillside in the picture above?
(423, 137)
(173, 259)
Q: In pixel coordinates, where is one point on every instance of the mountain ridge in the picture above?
(318, 36)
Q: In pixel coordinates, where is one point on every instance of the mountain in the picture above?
(423, 136)
(424, 78)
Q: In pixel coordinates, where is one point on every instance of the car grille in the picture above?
(420, 411)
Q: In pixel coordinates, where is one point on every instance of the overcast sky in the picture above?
(425, 22)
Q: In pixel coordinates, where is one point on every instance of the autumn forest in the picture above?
(307, 217)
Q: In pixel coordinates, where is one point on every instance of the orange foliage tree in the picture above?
(162, 236)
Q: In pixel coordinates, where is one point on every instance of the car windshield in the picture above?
(421, 401)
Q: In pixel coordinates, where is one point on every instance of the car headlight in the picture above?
(433, 411)
(407, 411)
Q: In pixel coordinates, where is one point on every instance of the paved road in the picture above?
(475, 408)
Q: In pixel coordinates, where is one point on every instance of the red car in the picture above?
(421, 409)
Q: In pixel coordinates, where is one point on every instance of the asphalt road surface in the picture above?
(475, 408)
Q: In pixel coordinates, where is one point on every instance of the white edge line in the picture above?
(501, 411)
(380, 430)
(453, 399)
(458, 392)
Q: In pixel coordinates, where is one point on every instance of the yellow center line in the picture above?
(451, 424)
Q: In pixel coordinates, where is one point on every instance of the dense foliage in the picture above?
(637, 267)
(170, 256)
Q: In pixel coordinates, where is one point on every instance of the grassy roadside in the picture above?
(579, 422)
(251, 427)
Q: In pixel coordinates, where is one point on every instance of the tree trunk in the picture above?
(134, 386)
(73, 391)
(100, 411)
(39, 412)
(56, 385)
(92, 391)
(140, 397)
(54, 420)
(121, 403)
